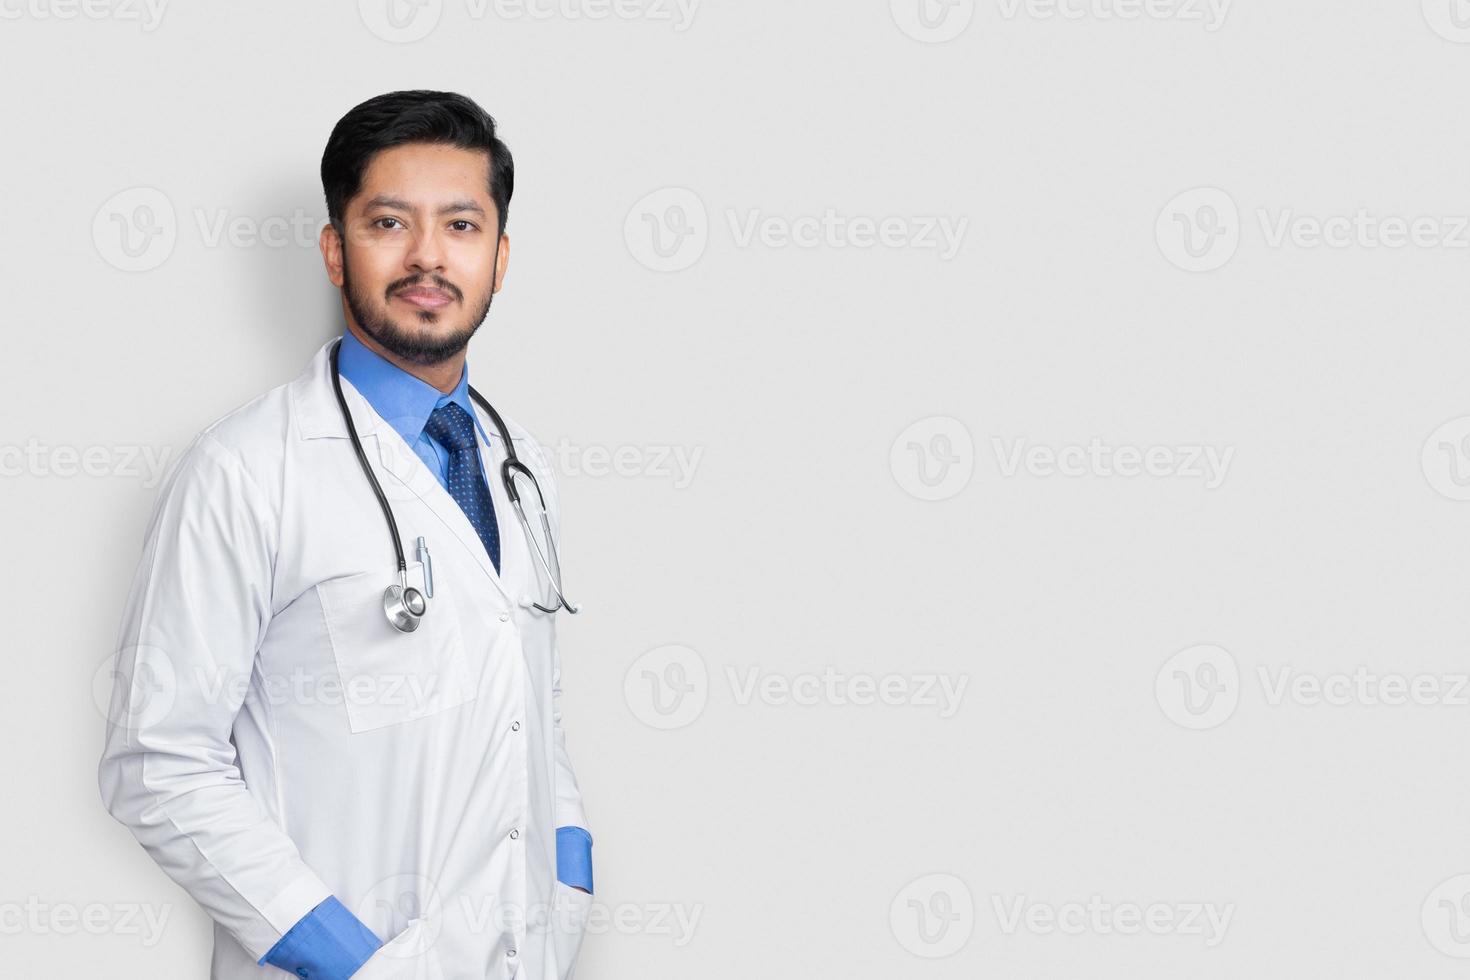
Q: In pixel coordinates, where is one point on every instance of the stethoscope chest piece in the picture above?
(405, 607)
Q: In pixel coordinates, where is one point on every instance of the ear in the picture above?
(331, 245)
(502, 259)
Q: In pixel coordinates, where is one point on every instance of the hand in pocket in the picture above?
(407, 956)
(569, 910)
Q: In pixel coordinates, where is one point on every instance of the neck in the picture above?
(444, 375)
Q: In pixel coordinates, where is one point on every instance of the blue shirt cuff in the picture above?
(328, 943)
(574, 857)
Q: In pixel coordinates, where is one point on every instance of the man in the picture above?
(345, 798)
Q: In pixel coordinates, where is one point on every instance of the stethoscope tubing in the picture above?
(511, 466)
(362, 461)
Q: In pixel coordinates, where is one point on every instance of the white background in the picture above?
(1137, 187)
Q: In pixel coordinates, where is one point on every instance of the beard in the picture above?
(417, 346)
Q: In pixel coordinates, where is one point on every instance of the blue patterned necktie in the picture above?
(451, 427)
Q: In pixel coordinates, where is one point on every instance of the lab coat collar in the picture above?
(318, 417)
(403, 400)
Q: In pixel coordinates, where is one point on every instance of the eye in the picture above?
(467, 225)
(380, 221)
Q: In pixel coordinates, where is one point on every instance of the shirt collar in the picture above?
(403, 400)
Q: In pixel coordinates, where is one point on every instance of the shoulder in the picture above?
(224, 485)
(248, 442)
(251, 436)
(256, 429)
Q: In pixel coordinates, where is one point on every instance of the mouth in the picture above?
(425, 297)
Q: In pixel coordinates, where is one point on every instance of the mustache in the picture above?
(434, 281)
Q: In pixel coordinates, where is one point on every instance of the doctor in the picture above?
(343, 792)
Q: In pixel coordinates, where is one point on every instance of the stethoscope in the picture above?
(405, 605)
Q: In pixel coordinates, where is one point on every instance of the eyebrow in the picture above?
(398, 204)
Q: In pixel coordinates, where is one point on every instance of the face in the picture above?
(421, 260)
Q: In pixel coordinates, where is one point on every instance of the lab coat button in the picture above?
(515, 834)
(515, 726)
(510, 952)
(505, 617)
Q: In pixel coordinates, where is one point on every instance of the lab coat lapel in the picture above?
(404, 466)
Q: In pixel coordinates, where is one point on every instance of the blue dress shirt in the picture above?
(404, 401)
(329, 942)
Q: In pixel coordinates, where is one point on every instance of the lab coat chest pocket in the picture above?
(390, 677)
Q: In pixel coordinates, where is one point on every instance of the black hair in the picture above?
(416, 116)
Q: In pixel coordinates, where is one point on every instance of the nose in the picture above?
(425, 253)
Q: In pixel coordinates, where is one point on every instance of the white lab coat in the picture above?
(273, 741)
